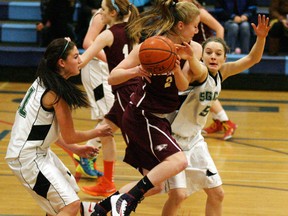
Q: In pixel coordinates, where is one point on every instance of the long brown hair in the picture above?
(48, 74)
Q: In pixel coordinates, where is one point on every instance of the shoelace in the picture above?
(87, 163)
(119, 205)
(225, 126)
(91, 164)
(100, 182)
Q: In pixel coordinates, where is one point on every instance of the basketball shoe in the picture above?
(103, 187)
(91, 209)
(123, 204)
(215, 127)
(86, 167)
(229, 129)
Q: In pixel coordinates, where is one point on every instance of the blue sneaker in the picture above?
(86, 167)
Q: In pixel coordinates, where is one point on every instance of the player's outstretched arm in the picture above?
(255, 54)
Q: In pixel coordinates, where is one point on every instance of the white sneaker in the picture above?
(118, 206)
(86, 208)
(91, 209)
(123, 204)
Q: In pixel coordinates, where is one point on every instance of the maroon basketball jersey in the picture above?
(159, 96)
(118, 51)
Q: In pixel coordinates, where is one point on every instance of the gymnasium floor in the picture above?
(253, 165)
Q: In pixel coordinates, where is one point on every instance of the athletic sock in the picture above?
(221, 116)
(109, 170)
(105, 203)
(141, 188)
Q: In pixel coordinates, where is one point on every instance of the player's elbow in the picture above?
(111, 81)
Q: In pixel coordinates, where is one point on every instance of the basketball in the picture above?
(157, 55)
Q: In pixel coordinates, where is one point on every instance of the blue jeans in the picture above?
(238, 34)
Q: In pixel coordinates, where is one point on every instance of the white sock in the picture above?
(221, 116)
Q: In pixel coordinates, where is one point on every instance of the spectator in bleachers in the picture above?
(57, 20)
(87, 9)
(278, 12)
(236, 16)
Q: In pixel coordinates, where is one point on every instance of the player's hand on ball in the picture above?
(157, 55)
(144, 73)
(184, 51)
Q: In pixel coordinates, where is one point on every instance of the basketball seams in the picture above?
(160, 38)
(167, 58)
(157, 55)
(171, 48)
(171, 66)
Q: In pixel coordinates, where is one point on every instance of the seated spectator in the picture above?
(236, 17)
(278, 11)
(57, 20)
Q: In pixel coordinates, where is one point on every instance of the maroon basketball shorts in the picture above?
(149, 138)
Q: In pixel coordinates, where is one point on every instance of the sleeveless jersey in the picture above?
(118, 51)
(160, 96)
(34, 127)
(193, 113)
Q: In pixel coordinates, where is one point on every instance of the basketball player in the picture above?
(150, 147)
(206, 78)
(207, 27)
(43, 114)
(117, 43)
(94, 78)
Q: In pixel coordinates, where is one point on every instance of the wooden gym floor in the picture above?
(253, 164)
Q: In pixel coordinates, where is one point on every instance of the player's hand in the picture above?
(143, 73)
(177, 68)
(262, 29)
(185, 51)
(86, 151)
(103, 130)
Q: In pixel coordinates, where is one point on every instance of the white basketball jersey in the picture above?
(34, 128)
(192, 115)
